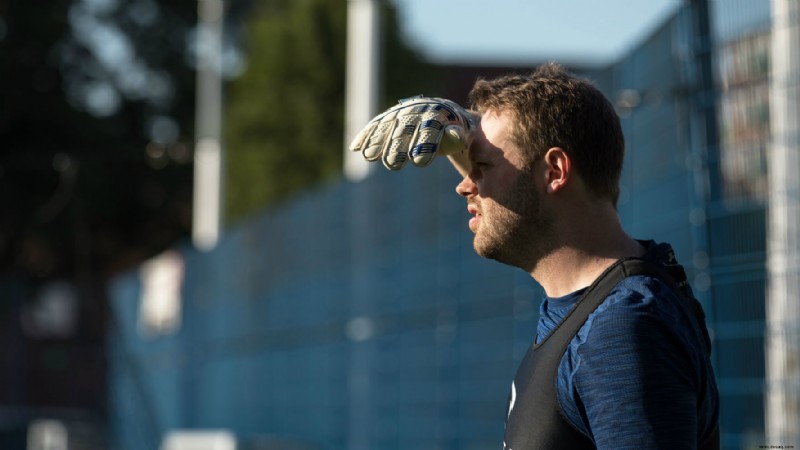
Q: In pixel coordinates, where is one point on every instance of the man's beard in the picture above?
(517, 231)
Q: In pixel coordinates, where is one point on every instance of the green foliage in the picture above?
(283, 122)
(285, 114)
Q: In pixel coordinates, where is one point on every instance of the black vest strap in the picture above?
(535, 420)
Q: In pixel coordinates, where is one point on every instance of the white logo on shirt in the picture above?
(513, 399)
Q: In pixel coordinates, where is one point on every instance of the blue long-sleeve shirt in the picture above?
(637, 374)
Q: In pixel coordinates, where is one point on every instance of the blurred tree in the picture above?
(96, 118)
(96, 136)
(285, 114)
(95, 125)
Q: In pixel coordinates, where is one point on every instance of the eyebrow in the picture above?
(480, 151)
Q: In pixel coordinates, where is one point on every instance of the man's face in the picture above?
(505, 199)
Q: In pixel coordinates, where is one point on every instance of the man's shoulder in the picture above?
(637, 302)
(637, 290)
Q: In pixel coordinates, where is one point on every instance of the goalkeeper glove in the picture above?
(417, 128)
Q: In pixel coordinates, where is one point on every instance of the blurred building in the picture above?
(737, 216)
(52, 342)
(358, 317)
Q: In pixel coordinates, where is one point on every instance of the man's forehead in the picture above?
(479, 145)
(491, 135)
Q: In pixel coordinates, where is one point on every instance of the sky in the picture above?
(589, 31)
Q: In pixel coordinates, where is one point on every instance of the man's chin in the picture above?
(485, 249)
(496, 252)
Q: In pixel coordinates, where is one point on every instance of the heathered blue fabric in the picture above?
(636, 376)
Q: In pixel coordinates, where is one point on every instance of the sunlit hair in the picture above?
(551, 107)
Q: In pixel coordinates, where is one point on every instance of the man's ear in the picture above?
(558, 169)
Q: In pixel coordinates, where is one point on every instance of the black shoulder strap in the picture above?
(594, 295)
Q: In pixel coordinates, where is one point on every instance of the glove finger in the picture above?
(357, 144)
(426, 141)
(395, 156)
(376, 142)
(396, 153)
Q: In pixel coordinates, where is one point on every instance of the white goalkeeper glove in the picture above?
(417, 128)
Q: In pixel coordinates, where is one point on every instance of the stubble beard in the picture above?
(518, 232)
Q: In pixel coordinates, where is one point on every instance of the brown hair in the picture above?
(554, 108)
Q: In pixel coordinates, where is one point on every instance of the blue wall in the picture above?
(355, 316)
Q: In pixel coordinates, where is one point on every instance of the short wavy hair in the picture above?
(551, 107)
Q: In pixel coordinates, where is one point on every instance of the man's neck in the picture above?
(585, 253)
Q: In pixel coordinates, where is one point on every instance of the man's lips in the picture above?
(475, 212)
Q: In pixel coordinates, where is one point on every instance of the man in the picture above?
(621, 355)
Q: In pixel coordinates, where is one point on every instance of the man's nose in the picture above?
(467, 187)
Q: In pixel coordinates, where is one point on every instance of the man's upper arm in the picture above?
(636, 378)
